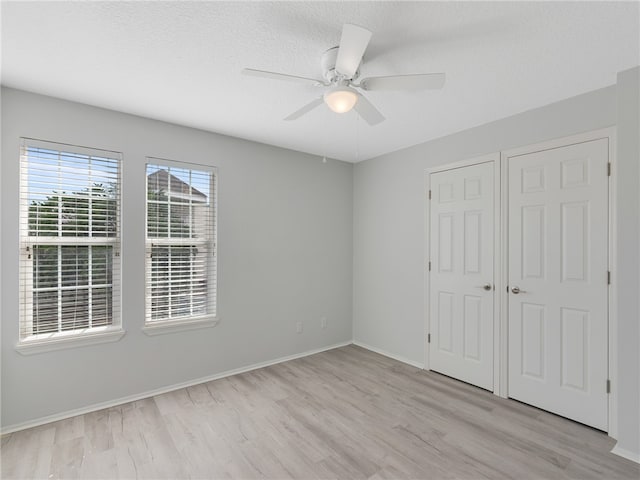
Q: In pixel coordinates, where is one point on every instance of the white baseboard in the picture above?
(151, 393)
(629, 455)
(390, 355)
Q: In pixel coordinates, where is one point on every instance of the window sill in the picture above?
(61, 341)
(160, 328)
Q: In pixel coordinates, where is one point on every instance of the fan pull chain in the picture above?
(326, 136)
(357, 137)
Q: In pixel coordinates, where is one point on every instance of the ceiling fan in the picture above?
(341, 68)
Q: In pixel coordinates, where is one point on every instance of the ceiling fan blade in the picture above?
(306, 109)
(280, 76)
(353, 43)
(367, 111)
(425, 81)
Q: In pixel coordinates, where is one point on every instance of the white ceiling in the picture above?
(181, 61)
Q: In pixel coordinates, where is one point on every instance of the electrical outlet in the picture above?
(299, 327)
(323, 322)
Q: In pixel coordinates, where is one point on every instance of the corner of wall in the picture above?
(627, 273)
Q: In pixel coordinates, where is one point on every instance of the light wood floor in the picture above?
(346, 413)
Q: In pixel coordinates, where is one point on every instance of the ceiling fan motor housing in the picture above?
(328, 64)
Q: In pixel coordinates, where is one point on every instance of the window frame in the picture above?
(161, 327)
(29, 343)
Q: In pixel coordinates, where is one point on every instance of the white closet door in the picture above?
(558, 217)
(461, 279)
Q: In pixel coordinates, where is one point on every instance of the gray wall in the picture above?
(389, 240)
(285, 250)
(628, 271)
(388, 214)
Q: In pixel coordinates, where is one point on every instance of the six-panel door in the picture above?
(461, 280)
(558, 230)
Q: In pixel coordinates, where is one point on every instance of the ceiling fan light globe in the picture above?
(341, 99)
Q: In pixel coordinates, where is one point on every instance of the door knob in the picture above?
(516, 290)
(486, 286)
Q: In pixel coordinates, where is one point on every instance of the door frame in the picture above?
(502, 365)
(493, 158)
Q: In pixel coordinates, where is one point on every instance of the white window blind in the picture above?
(69, 239)
(180, 242)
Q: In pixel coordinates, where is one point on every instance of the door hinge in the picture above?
(429, 265)
(429, 194)
(608, 386)
(608, 169)
(608, 277)
(428, 338)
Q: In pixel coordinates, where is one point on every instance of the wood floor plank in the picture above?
(347, 413)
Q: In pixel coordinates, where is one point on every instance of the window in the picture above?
(69, 241)
(180, 244)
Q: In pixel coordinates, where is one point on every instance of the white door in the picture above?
(461, 279)
(558, 229)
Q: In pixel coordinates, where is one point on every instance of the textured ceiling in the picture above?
(181, 61)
